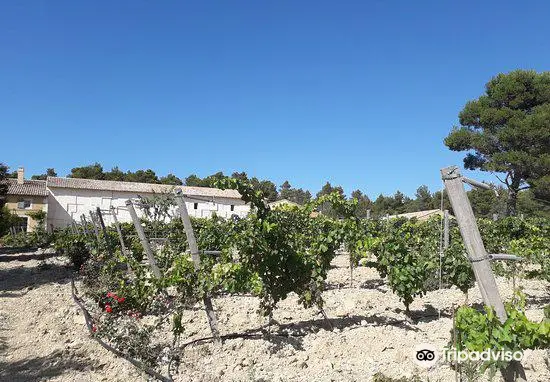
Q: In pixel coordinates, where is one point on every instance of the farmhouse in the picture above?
(70, 198)
(420, 215)
(283, 202)
(25, 197)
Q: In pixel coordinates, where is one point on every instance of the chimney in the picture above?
(20, 175)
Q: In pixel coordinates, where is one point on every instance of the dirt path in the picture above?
(43, 335)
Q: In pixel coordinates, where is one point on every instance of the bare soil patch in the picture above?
(43, 335)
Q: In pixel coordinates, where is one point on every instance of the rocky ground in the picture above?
(43, 335)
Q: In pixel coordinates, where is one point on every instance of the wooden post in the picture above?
(446, 229)
(472, 240)
(368, 214)
(119, 231)
(194, 249)
(73, 227)
(84, 224)
(104, 230)
(144, 242)
(125, 251)
(96, 231)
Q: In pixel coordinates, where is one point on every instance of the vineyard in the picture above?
(290, 294)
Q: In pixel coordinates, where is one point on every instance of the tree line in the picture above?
(484, 202)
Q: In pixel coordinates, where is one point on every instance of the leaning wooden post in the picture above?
(144, 242)
(123, 248)
(194, 249)
(104, 230)
(73, 227)
(472, 240)
(96, 231)
(446, 229)
(119, 231)
(84, 224)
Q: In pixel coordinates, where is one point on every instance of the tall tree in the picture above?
(296, 195)
(142, 176)
(382, 205)
(399, 202)
(423, 199)
(326, 208)
(484, 202)
(529, 205)
(436, 201)
(240, 175)
(507, 130)
(267, 187)
(171, 179)
(328, 189)
(193, 181)
(285, 190)
(364, 204)
(210, 180)
(49, 172)
(115, 174)
(93, 171)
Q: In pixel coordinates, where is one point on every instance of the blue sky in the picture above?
(360, 93)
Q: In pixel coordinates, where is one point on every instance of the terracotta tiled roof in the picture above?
(111, 185)
(29, 187)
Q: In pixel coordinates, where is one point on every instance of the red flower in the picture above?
(121, 299)
(111, 294)
(108, 308)
(94, 328)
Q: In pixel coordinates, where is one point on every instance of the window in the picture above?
(195, 206)
(24, 204)
(232, 207)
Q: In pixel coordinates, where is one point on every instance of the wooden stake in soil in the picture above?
(477, 254)
(84, 224)
(144, 242)
(96, 231)
(120, 237)
(119, 231)
(194, 249)
(73, 227)
(472, 240)
(104, 230)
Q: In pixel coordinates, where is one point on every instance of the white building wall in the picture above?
(67, 204)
